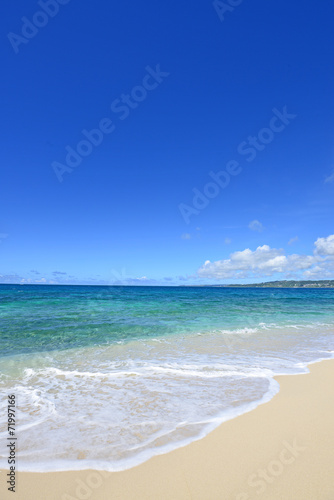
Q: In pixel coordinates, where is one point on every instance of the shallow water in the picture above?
(106, 377)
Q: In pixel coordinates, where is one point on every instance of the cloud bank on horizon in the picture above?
(264, 262)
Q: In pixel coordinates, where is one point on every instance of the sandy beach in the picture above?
(284, 449)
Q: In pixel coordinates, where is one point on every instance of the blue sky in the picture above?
(178, 93)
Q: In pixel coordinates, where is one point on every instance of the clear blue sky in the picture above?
(116, 216)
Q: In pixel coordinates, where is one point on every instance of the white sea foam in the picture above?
(115, 406)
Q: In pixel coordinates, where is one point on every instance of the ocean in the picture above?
(107, 377)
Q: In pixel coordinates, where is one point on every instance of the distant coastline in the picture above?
(278, 284)
(266, 284)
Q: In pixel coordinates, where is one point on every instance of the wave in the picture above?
(112, 407)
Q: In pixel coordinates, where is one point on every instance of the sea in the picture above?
(106, 377)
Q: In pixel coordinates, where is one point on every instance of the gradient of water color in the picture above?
(106, 377)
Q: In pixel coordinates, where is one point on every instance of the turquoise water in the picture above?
(106, 377)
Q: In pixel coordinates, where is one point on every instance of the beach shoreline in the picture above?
(281, 449)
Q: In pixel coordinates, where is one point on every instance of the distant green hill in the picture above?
(287, 284)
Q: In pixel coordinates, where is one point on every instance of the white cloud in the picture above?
(10, 278)
(256, 225)
(29, 281)
(228, 241)
(325, 246)
(266, 261)
(186, 236)
(293, 240)
(317, 272)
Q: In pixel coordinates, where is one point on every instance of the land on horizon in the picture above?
(279, 284)
(264, 284)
